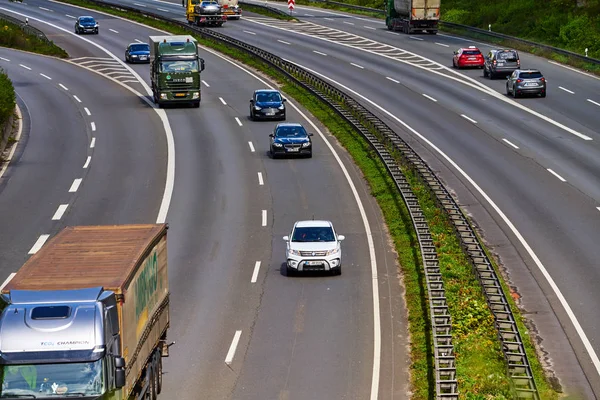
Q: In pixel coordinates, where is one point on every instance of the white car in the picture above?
(313, 246)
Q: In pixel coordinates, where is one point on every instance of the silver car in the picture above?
(526, 81)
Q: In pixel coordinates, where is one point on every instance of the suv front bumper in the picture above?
(314, 263)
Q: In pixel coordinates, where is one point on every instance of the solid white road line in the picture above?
(264, 217)
(582, 335)
(238, 121)
(77, 98)
(283, 41)
(593, 102)
(369, 27)
(234, 343)
(416, 38)
(392, 79)
(93, 124)
(429, 97)
(566, 90)
(112, 30)
(255, 272)
(25, 66)
(318, 52)
(222, 101)
(87, 111)
(38, 244)
(442, 44)
(357, 66)
(4, 59)
(557, 175)
(93, 143)
(70, 16)
(46, 76)
(513, 145)
(205, 84)
(249, 32)
(75, 185)
(260, 179)
(369, 236)
(468, 119)
(87, 162)
(12, 275)
(59, 212)
(139, 41)
(63, 86)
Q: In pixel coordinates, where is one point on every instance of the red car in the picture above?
(468, 57)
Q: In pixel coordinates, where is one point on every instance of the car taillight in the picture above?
(518, 62)
(495, 62)
(542, 79)
(519, 80)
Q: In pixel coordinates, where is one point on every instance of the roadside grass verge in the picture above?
(13, 36)
(480, 365)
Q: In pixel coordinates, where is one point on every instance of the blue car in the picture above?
(290, 139)
(267, 104)
(137, 53)
(86, 25)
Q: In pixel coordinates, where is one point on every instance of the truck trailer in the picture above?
(204, 12)
(409, 16)
(86, 317)
(175, 68)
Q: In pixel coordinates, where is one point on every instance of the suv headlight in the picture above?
(307, 144)
(292, 251)
(257, 108)
(281, 107)
(332, 251)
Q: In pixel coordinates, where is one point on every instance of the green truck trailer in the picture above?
(175, 68)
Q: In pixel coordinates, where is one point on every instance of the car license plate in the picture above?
(180, 94)
(314, 263)
(294, 149)
(142, 57)
(270, 113)
(531, 84)
(472, 58)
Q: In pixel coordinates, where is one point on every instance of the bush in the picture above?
(7, 98)
(12, 36)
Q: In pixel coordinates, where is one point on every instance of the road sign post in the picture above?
(291, 5)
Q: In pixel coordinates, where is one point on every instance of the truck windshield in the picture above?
(50, 380)
(179, 66)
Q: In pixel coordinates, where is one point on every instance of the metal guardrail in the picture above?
(496, 35)
(30, 30)
(383, 139)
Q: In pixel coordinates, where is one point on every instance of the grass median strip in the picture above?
(11, 35)
(480, 365)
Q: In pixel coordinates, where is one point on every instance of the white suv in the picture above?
(313, 246)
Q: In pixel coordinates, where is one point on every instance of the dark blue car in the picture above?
(86, 25)
(137, 53)
(267, 104)
(290, 139)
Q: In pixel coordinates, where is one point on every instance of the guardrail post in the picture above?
(586, 51)
(489, 27)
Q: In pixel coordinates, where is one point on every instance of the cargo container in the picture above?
(410, 16)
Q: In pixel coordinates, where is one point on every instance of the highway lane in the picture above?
(217, 236)
(581, 176)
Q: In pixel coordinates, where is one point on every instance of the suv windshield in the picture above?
(87, 20)
(313, 234)
(530, 75)
(179, 66)
(50, 380)
(268, 97)
(291, 131)
(140, 47)
(508, 55)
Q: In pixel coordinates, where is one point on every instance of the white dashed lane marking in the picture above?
(234, 343)
(238, 121)
(87, 111)
(249, 32)
(318, 52)
(251, 146)
(112, 30)
(283, 41)
(38, 244)
(59, 212)
(468, 119)
(566, 90)
(255, 272)
(264, 217)
(513, 145)
(139, 41)
(429, 97)
(45, 76)
(87, 162)
(260, 179)
(357, 66)
(557, 175)
(75, 185)
(93, 143)
(392, 79)
(222, 101)
(63, 86)
(593, 102)
(77, 98)
(93, 125)
(25, 66)
(369, 27)
(205, 84)
(4, 59)
(442, 44)
(70, 16)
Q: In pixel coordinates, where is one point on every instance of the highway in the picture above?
(526, 170)
(242, 328)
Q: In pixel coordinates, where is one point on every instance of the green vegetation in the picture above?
(12, 36)
(7, 100)
(480, 364)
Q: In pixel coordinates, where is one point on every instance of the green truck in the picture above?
(175, 68)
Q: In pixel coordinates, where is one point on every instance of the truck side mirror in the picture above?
(119, 372)
(202, 64)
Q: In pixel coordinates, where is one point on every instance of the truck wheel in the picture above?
(151, 392)
(159, 372)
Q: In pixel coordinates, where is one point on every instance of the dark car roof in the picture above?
(266, 91)
(292, 124)
(85, 17)
(138, 44)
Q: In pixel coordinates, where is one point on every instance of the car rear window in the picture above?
(313, 234)
(140, 47)
(471, 52)
(508, 55)
(530, 75)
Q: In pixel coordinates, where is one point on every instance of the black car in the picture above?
(526, 81)
(137, 52)
(267, 104)
(501, 62)
(86, 25)
(288, 138)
